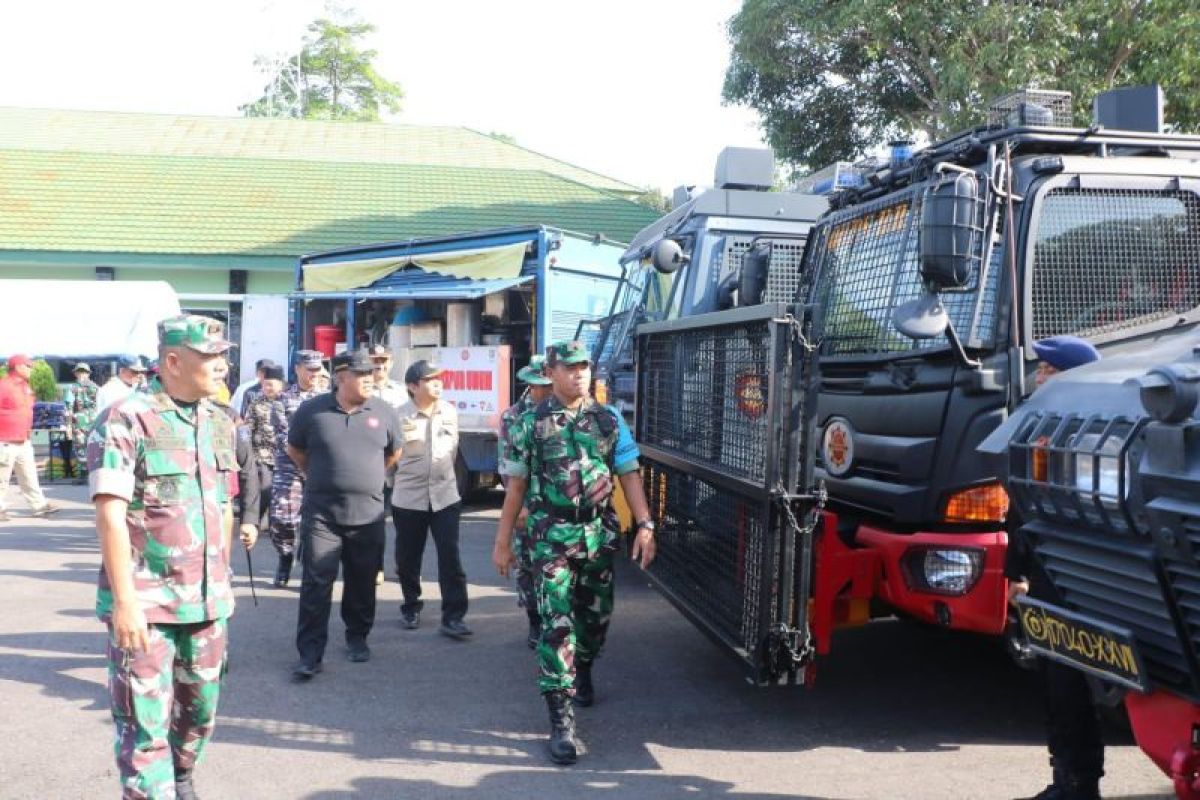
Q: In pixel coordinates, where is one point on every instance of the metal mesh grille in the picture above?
(870, 265)
(686, 404)
(783, 273)
(1111, 260)
(1001, 110)
(712, 552)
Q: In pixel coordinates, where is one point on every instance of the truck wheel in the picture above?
(463, 477)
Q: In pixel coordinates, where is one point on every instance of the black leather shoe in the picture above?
(455, 629)
(305, 671)
(563, 746)
(283, 572)
(358, 652)
(411, 620)
(184, 790)
(585, 693)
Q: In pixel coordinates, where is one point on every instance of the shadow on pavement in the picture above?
(575, 782)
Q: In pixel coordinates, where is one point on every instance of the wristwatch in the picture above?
(647, 524)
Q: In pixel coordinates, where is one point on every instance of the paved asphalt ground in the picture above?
(899, 711)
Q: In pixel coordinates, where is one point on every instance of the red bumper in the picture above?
(1165, 727)
(846, 579)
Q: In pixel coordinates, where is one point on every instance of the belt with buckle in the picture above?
(572, 514)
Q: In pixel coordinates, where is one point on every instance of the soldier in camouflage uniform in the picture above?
(260, 407)
(81, 410)
(561, 458)
(287, 487)
(161, 468)
(533, 375)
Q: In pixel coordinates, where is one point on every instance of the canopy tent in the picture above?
(83, 319)
(477, 264)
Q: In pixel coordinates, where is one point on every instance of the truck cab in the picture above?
(689, 262)
(1048, 230)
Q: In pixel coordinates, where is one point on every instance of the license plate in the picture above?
(1106, 651)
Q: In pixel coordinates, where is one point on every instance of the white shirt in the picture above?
(113, 391)
(391, 393)
(239, 395)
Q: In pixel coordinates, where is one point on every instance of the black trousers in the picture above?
(266, 475)
(326, 545)
(412, 529)
(1072, 723)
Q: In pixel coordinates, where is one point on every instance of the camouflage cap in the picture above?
(202, 334)
(533, 373)
(575, 352)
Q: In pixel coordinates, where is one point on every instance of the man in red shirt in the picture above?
(16, 451)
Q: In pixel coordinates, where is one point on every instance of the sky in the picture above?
(626, 88)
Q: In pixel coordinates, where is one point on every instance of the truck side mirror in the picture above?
(951, 232)
(667, 256)
(752, 277)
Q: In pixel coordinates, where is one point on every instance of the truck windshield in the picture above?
(1112, 260)
(866, 265)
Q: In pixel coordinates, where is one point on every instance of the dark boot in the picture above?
(564, 749)
(535, 630)
(184, 790)
(585, 693)
(283, 572)
(1069, 787)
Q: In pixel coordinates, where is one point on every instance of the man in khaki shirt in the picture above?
(425, 499)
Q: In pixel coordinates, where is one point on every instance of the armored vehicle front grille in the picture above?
(1115, 582)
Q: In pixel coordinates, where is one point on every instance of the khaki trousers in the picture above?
(18, 458)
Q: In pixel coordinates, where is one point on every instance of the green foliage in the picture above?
(653, 198)
(833, 80)
(41, 380)
(330, 78)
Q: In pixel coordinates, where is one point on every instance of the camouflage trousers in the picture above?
(287, 495)
(164, 703)
(526, 591)
(573, 581)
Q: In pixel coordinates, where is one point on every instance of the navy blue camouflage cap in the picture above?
(202, 334)
(574, 352)
(311, 359)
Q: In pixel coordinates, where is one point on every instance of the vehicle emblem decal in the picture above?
(837, 447)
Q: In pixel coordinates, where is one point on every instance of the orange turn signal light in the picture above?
(600, 391)
(987, 503)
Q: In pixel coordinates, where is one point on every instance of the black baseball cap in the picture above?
(420, 371)
(356, 361)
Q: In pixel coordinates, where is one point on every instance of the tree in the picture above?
(833, 80)
(330, 78)
(41, 380)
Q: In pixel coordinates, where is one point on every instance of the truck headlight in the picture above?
(943, 570)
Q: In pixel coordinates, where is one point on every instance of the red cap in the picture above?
(18, 360)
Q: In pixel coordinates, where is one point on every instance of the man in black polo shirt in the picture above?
(344, 441)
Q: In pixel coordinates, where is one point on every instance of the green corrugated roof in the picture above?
(306, 140)
(103, 202)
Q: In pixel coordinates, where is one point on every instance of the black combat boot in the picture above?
(1067, 786)
(585, 693)
(564, 749)
(184, 790)
(283, 572)
(535, 630)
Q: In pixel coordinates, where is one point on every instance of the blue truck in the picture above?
(480, 303)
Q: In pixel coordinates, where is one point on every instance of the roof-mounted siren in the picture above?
(1131, 108)
(747, 168)
(1031, 108)
(834, 178)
